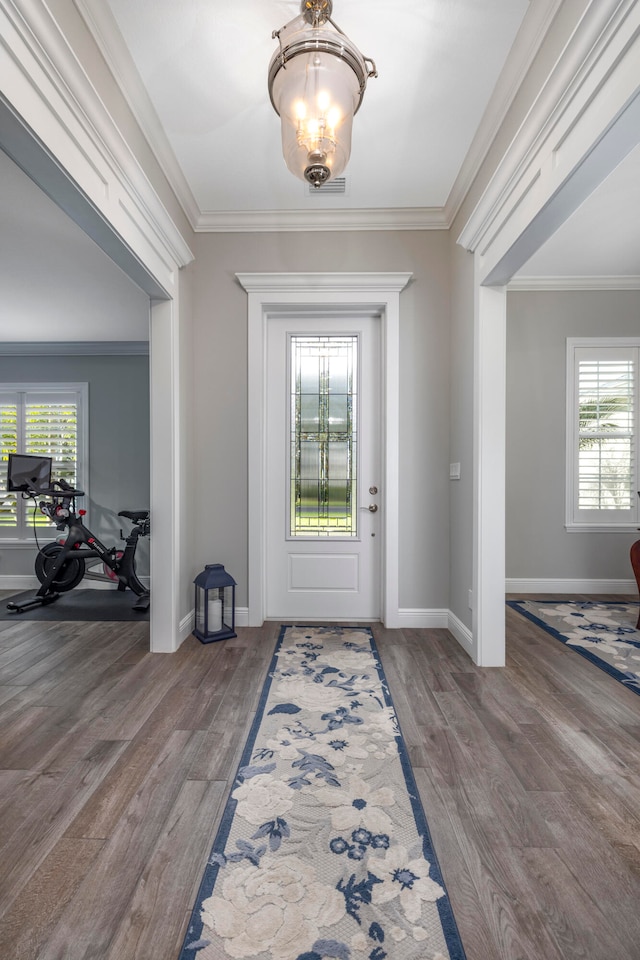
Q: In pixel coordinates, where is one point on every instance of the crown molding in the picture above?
(253, 221)
(104, 29)
(75, 348)
(531, 284)
(528, 41)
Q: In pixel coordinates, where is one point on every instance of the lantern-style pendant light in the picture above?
(317, 81)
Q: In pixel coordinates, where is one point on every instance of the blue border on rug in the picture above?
(447, 919)
(618, 675)
(194, 928)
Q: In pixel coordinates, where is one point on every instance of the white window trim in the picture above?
(571, 525)
(82, 389)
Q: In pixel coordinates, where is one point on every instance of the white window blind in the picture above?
(602, 432)
(9, 440)
(45, 420)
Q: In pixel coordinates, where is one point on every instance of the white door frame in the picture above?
(271, 295)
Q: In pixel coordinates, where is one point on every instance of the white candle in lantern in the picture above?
(215, 615)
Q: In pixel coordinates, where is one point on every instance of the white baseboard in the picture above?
(187, 623)
(570, 586)
(186, 626)
(462, 634)
(17, 583)
(406, 618)
(421, 619)
(242, 616)
(425, 619)
(29, 581)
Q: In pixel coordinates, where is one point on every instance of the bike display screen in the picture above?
(28, 473)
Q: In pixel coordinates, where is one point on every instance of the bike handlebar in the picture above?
(68, 490)
(60, 514)
(63, 489)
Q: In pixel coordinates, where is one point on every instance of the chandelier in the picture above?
(317, 80)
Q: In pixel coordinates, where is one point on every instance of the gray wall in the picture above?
(220, 379)
(118, 439)
(537, 544)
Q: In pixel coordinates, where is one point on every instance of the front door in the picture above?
(323, 493)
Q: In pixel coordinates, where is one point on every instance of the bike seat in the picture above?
(134, 515)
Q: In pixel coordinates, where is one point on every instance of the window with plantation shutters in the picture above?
(43, 419)
(602, 432)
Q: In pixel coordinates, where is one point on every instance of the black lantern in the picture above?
(215, 604)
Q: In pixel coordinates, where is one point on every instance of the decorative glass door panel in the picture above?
(323, 436)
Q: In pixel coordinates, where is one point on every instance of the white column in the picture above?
(489, 475)
(165, 477)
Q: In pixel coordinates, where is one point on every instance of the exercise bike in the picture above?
(60, 566)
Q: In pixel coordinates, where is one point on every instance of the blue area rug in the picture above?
(323, 850)
(603, 633)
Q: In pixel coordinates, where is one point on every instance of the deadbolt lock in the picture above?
(373, 491)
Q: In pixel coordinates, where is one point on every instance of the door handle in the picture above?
(372, 508)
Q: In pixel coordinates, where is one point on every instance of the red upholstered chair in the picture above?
(635, 563)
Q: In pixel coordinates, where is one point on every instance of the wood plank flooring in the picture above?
(115, 765)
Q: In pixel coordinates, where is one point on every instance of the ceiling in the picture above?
(601, 241)
(194, 73)
(60, 284)
(201, 67)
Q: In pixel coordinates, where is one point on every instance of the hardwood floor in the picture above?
(115, 764)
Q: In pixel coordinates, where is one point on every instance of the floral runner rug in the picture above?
(603, 633)
(323, 851)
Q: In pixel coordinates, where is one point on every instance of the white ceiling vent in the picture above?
(332, 188)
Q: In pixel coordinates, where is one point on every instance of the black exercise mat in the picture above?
(78, 605)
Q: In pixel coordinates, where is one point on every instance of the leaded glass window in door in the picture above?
(323, 436)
